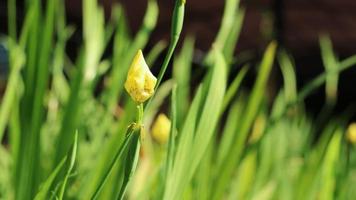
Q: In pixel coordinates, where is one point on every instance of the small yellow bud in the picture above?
(140, 82)
(161, 129)
(351, 133)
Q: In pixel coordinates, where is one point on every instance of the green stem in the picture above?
(11, 7)
(177, 25)
(139, 116)
(168, 57)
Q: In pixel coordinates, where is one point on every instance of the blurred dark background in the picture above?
(295, 24)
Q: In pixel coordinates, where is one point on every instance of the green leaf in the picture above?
(46, 185)
(185, 142)
(203, 134)
(32, 110)
(70, 163)
(233, 88)
(158, 100)
(241, 186)
(229, 131)
(131, 138)
(155, 52)
(172, 134)
(130, 164)
(329, 167)
(251, 111)
(66, 163)
(234, 34)
(17, 58)
(331, 65)
(290, 82)
(181, 74)
(228, 31)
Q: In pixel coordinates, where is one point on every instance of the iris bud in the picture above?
(140, 82)
(161, 129)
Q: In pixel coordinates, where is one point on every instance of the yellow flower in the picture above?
(351, 133)
(140, 82)
(161, 129)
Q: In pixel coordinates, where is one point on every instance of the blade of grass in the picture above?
(31, 54)
(30, 172)
(209, 119)
(329, 167)
(331, 66)
(229, 131)
(253, 105)
(155, 52)
(228, 19)
(306, 185)
(245, 177)
(290, 83)
(319, 80)
(86, 71)
(11, 91)
(181, 74)
(28, 37)
(46, 186)
(94, 37)
(226, 28)
(184, 143)
(70, 164)
(71, 111)
(310, 87)
(172, 134)
(234, 34)
(203, 177)
(204, 132)
(66, 162)
(157, 101)
(12, 25)
(232, 89)
(130, 165)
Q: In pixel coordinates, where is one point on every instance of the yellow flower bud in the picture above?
(140, 82)
(351, 133)
(161, 129)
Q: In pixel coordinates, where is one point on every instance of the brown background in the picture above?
(296, 24)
